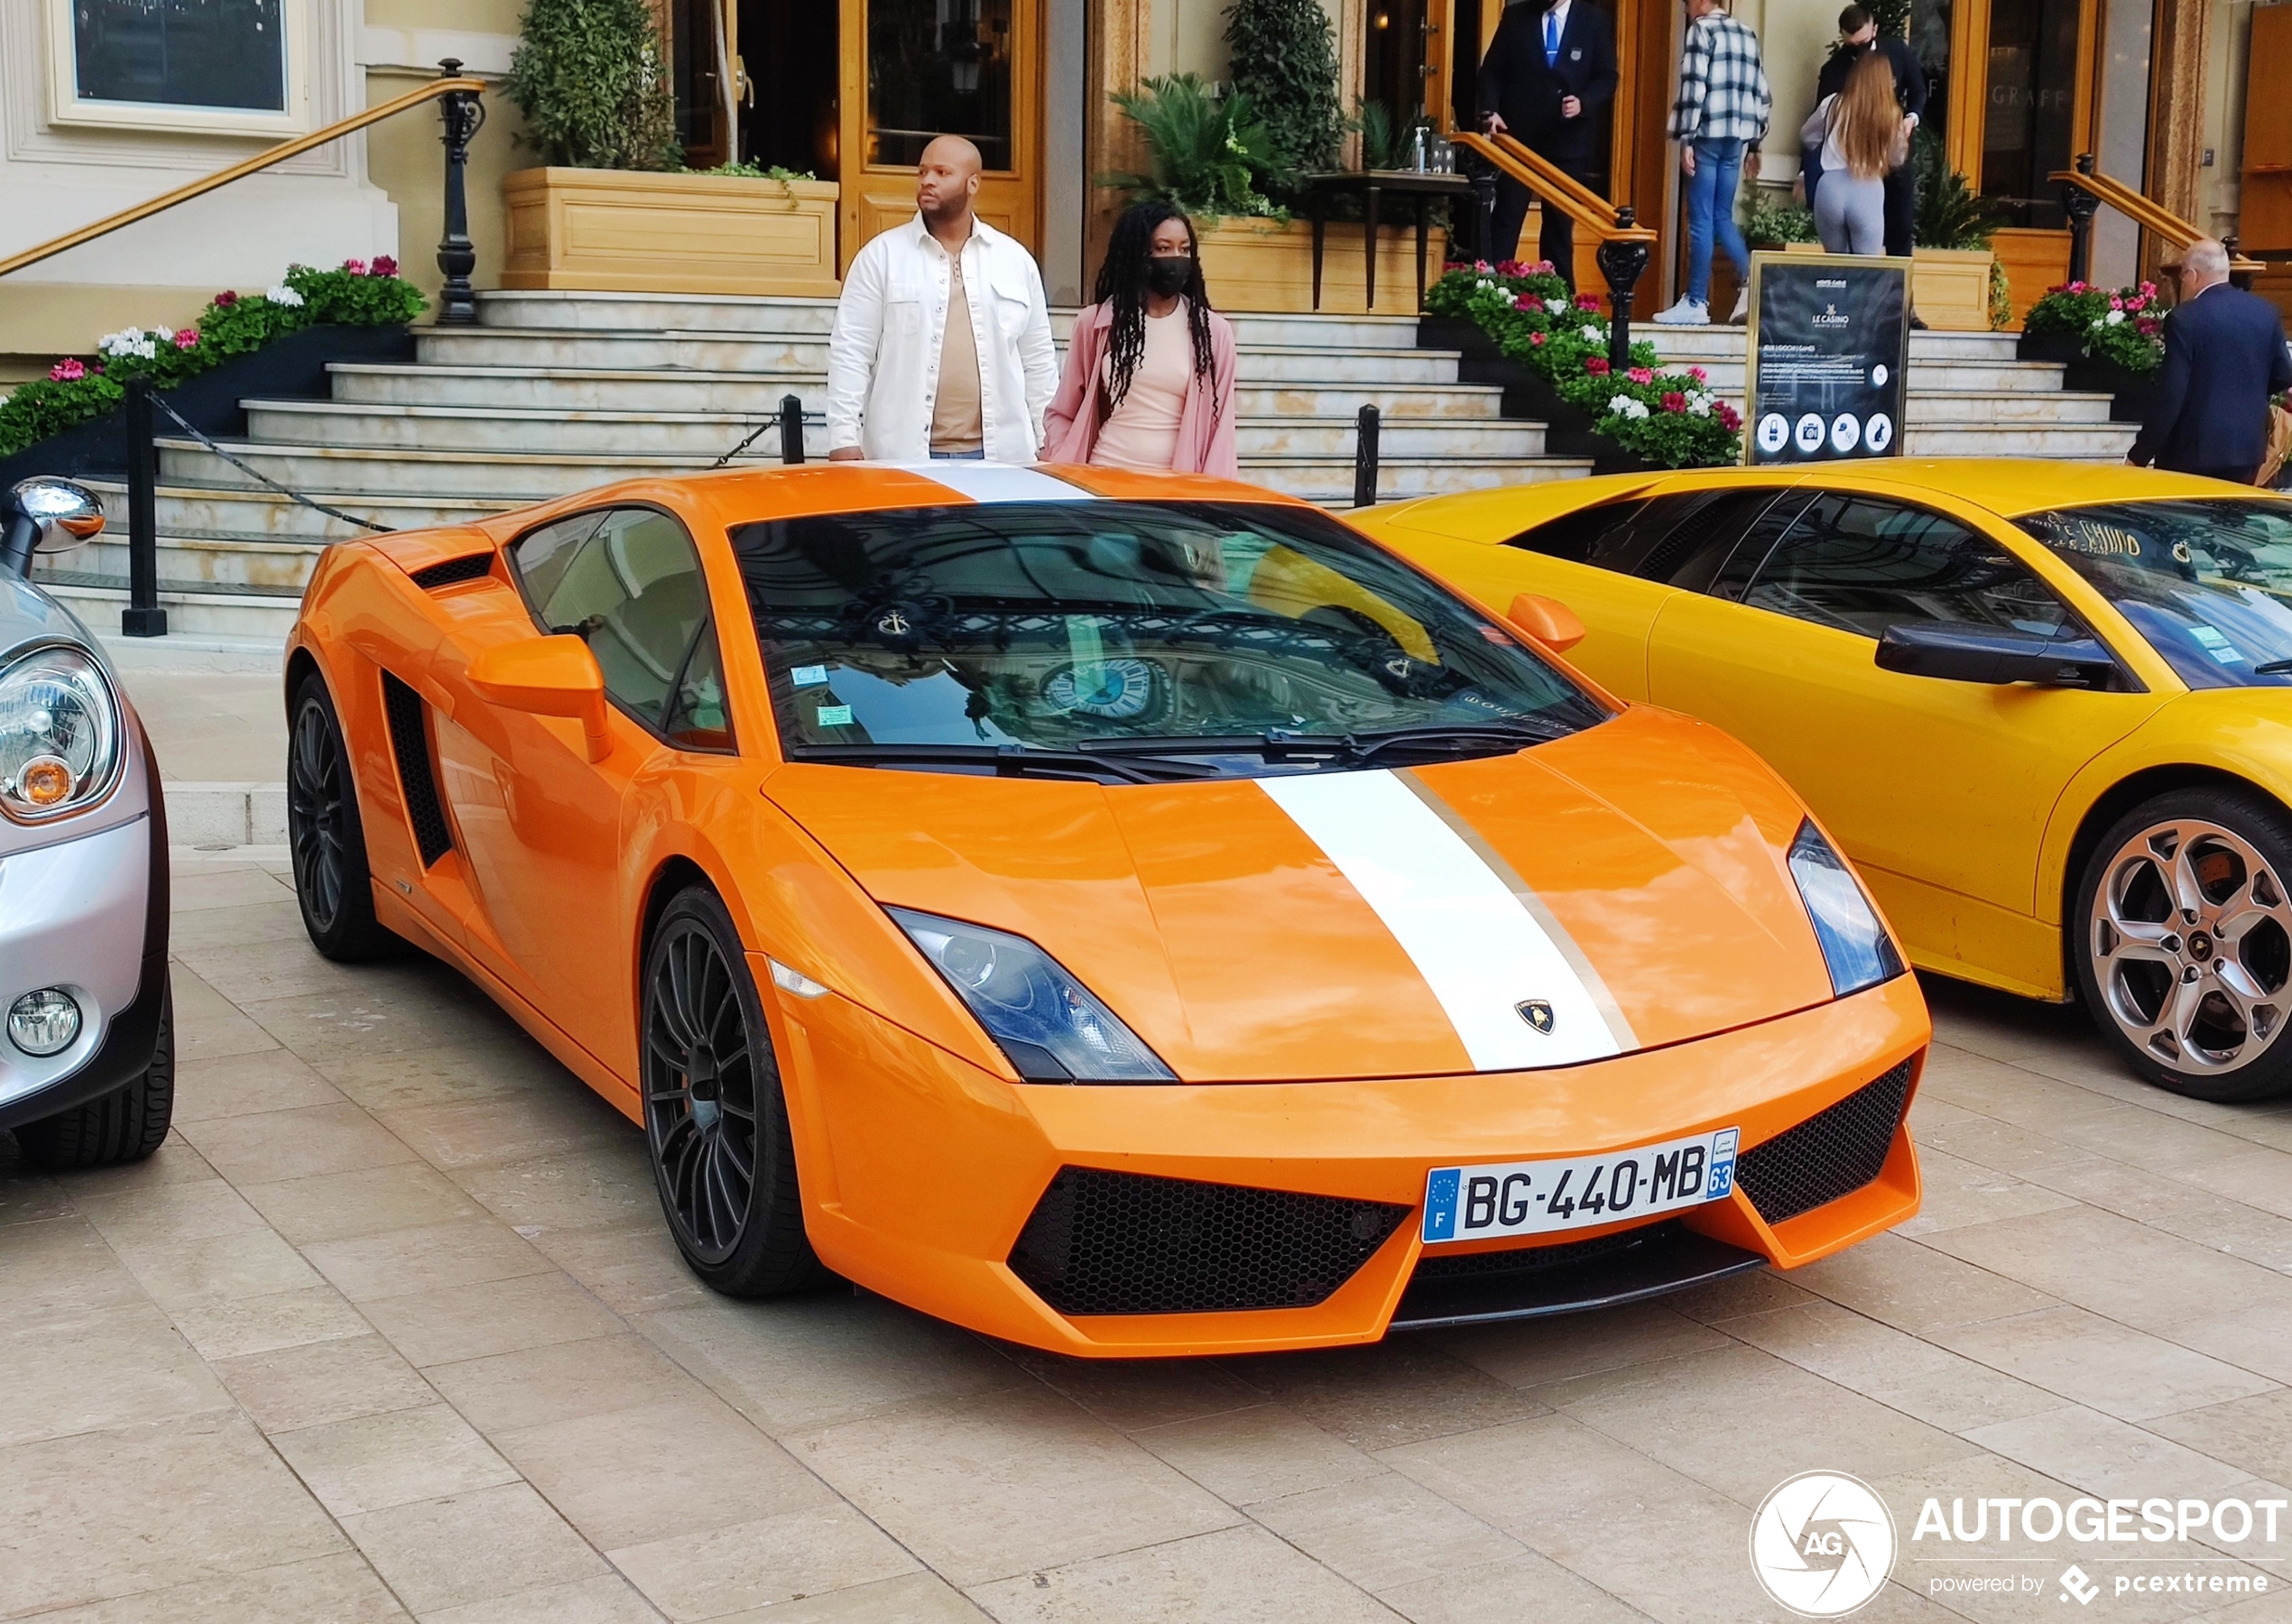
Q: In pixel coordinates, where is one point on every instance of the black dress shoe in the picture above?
(1917, 325)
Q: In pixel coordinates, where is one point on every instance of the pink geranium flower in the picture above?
(1529, 301)
(1587, 301)
(187, 338)
(1597, 365)
(1641, 374)
(1729, 418)
(1698, 375)
(1673, 400)
(225, 300)
(1538, 339)
(66, 370)
(357, 267)
(384, 265)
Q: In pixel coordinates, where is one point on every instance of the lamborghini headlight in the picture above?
(60, 728)
(1052, 1026)
(1855, 942)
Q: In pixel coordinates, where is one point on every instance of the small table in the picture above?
(1373, 184)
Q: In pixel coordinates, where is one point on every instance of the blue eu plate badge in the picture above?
(1491, 1200)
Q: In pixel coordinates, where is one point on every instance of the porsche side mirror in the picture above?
(548, 677)
(1958, 653)
(1547, 620)
(47, 514)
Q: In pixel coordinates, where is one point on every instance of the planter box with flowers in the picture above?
(2108, 339)
(1655, 418)
(642, 231)
(276, 343)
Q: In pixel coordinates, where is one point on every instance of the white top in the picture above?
(884, 353)
(1818, 127)
(1143, 432)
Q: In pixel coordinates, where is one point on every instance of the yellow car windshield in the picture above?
(2208, 582)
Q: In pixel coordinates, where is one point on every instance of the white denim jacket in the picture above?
(883, 355)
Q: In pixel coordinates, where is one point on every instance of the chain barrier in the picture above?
(260, 477)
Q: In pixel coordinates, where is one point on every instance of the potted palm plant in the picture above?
(611, 207)
(1957, 283)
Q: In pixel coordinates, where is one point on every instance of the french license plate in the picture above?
(1577, 1192)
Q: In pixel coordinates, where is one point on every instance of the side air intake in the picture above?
(1833, 1153)
(417, 773)
(453, 571)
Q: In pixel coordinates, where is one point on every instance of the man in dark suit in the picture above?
(1548, 71)
(1858, 34)
(2224, 359)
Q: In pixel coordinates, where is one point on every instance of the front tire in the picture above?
(2183, 943)
(125, 1125)
(325, 837)
(715, 1118)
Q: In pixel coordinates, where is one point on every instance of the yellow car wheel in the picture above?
(2185, 957)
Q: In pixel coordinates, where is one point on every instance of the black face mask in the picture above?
(1168, 274)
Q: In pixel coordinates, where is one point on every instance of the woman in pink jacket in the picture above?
(1149, 381)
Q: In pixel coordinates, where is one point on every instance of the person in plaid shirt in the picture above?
(1718, 121)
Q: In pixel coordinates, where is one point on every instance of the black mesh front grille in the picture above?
(1101, 1242)
(1833, 1153)
(453, 570)
(1526, 1260)
(417, 778)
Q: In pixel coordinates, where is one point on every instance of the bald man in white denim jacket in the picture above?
(885, 355)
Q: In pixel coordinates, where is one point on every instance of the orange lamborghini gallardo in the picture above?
(1124, 916)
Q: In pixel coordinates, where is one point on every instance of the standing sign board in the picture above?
(1829, 344)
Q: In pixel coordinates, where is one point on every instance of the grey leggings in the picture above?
(1850, 212)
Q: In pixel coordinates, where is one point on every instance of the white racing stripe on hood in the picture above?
(1478, 946)
(997, 482)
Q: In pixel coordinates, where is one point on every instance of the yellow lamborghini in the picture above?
(2046, 707)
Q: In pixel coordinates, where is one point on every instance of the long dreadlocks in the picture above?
(1122, 280)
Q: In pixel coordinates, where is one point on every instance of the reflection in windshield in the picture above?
(1054, 624)
(2209, 583)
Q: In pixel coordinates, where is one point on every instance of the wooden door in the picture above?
(2266, 223)
(916, 69)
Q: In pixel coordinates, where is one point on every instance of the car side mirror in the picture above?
(49, 515)
(1958, 653)
(548, 677)
(1547, 620)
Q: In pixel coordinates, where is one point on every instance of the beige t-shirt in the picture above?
(956, 422)
(1143, 432)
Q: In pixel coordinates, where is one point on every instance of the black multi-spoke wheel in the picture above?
(325, 838)
(714, 1113)
(2185, 956)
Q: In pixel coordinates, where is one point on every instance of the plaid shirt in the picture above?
(1722, 85)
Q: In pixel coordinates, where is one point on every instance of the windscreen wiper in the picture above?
(1004, 761)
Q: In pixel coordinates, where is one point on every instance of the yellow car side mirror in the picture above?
(548, 677)
(1547, 620)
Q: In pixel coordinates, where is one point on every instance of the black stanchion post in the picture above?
(465, 115)
(143, 617)
(2081, 206)
(1622, 260)
(1365, 458)
(1485, 215)
(791, 429)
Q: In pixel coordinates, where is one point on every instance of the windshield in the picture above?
(1108, 625)
(2208, 582)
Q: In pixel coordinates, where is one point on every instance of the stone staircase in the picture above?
(1968, 395)
(554, 393)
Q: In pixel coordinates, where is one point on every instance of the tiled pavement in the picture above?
(391, 1327)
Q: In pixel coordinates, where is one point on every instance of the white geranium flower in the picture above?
(128, 341)
(2114, 317)
(1592, 334)
(1620, 404)
(1639, 410)
(279, 293)
(1557, 306)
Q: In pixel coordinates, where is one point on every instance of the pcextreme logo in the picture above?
(1821, 1544)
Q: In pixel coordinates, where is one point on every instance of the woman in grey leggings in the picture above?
(1863, 135)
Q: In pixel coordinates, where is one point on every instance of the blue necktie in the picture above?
(1551, 39)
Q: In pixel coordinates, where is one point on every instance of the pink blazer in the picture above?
(1204, 437)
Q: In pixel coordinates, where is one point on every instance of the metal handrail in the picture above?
(1625, 246)
(464, 112)
(2084, 190)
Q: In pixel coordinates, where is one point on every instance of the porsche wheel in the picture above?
(2185, 957)
(325, 839)
(714, 1114)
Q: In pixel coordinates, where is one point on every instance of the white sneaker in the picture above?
(1687, 312)
(1743, 307)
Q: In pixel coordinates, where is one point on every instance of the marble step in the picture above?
(566, 389)
(1328, 480)
(1684, 344)
(779, 359)
(202, 512)
(201, 563)
(707, 436)
(2036, 378)
(189, 612)
(2097, 442)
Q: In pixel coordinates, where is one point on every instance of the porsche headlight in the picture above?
(1854, 943)
(59, 733)
(1052, 1026)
